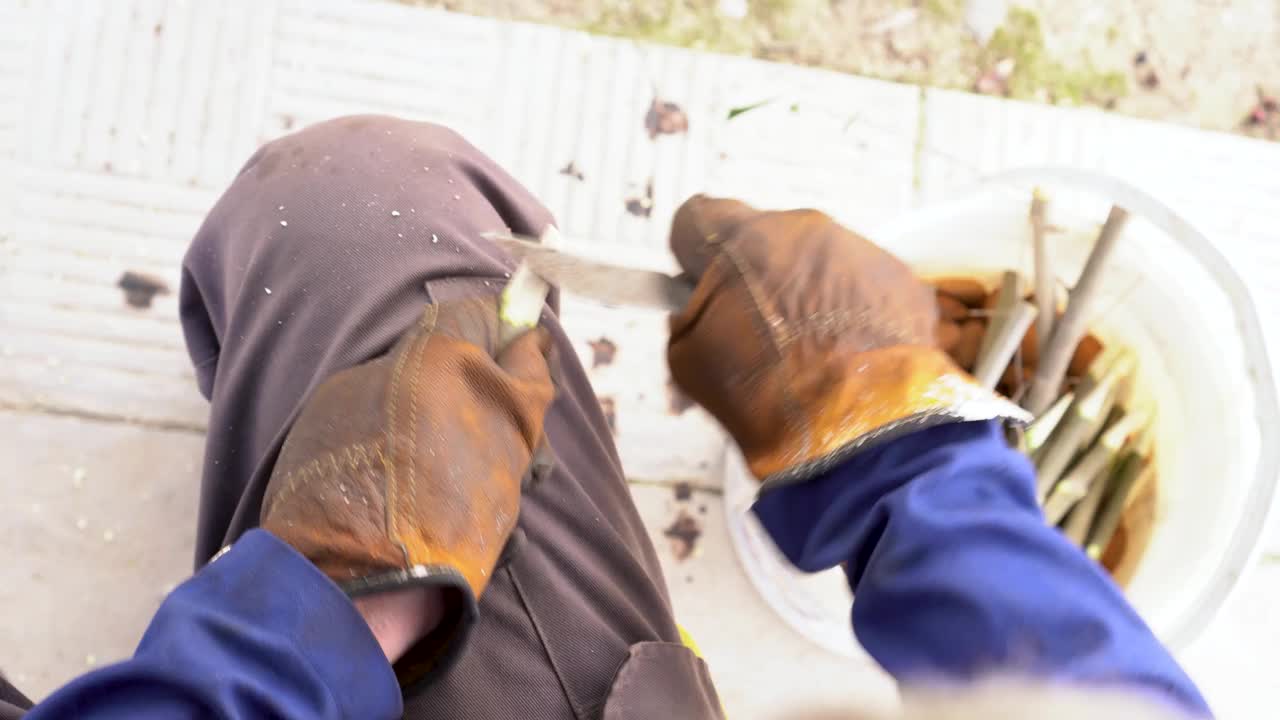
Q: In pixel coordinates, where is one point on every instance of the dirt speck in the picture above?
(684, 532)
(610, 407)
(665, 118)
(141, 288)
(642, 205)
(603, 351)
(683, 490)
(573, 171)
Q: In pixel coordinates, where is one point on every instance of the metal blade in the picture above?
(611, 284)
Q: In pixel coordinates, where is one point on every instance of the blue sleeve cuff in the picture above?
(955, 573)
(259, 632)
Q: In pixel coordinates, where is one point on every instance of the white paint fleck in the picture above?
(434, 239)
(77, 478)
(400, 235)
(90, 659)
(426, 169)
(457, 197)
(267, 289)
(82, 523)
(395, 213)
(284, 223)
(280, 208)
(108, 535)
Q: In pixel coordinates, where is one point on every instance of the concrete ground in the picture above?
(120, 123)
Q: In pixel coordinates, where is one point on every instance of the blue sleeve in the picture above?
(955, 573)
(258, 633)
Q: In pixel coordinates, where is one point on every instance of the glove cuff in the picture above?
(882, 394)
(434, 654)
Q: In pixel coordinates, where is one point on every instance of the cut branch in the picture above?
(1038, 432)
(1092, 468)
(1007, 300)
(1083, 421)
(1006, 341)
(1071, 328)
(1044, 274)
(1128, 474)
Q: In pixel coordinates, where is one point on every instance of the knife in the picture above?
(601, 281)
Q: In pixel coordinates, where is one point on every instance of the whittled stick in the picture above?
(1083, 421)
(1131, 470)
(520, 305)
(1081, 519)
(1091, 469)
(1068, 331)
(1039, 431)
(1006, 338)
(1044, 273)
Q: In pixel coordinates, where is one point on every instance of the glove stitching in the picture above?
(354, 456)
(780, 335)
(422, 331)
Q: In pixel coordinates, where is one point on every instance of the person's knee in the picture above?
(331, 145)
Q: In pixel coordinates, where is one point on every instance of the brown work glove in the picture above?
(808, 342)
(406, 471)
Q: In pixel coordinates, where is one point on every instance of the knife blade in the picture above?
(601, 281)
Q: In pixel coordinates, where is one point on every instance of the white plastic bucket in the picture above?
(1170, 296)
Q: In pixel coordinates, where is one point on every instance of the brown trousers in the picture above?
(325, 248)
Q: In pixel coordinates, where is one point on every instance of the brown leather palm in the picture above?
(807, 341)
(406, 470)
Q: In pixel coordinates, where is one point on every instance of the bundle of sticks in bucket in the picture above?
(1090, 441)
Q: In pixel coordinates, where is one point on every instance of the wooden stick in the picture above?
(1041, 428)
(1044, 273)
(1077, 527)
(1083, 421)
(1006, 300)
(520, 305)
(1128, 473)
(1079, 482)
(1071, 328)
(1007, 338)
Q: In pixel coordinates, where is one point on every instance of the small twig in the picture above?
(1044, 273)
(1007, 300)
(1071, 328)
(1007, 338)
(1129, 472)
(1083, 421)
